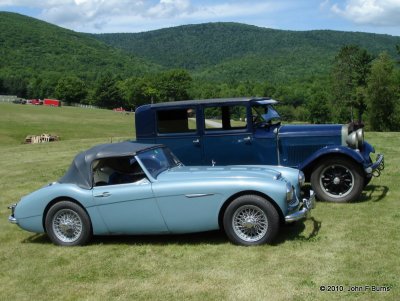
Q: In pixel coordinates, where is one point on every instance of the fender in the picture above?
(334, 150)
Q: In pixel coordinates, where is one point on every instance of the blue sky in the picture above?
(100, 16)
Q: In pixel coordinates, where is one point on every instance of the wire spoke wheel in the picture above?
(251, 220)
(250, 223)
(67, 225)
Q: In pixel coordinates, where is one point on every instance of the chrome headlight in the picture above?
(352, 140)
(302, 178)
(360, 137)
(289, 192)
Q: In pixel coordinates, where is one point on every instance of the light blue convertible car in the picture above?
(132, 188)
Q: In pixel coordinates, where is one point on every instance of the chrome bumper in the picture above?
(11, 218)
(376, 168)
(304, 209)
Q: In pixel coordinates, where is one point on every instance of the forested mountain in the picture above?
(29, 47)
(319, 76)
(222, 51)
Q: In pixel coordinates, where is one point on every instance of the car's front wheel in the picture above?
(337, 180)
(67, 224)
(251, 220)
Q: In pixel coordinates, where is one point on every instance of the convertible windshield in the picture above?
(158, 160)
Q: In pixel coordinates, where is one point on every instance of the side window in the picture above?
(225, 117)
(118, 170)
(176, 121)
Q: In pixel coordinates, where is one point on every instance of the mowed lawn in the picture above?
(354, 244)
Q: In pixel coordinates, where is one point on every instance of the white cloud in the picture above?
(169, 8)
(105, 15)
(370, 12)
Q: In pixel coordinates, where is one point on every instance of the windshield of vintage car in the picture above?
(158, 160)
(263, 115)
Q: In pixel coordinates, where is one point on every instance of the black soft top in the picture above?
(80, 171)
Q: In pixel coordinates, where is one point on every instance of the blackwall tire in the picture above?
(251, 220)
(337, 180)
(67, 224)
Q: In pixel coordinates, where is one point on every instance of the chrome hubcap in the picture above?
(337, 181)
(250, 223)
(67, 225)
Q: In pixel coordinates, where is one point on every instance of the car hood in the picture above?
(311, 130)
(189, 173)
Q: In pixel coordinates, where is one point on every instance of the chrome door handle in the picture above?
(103, 195)
(247, 140)
(196, 141)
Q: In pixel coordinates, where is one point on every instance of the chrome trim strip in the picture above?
(344, 134)
(198, 195)
(276, 132)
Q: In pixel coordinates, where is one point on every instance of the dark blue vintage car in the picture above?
(335, 158)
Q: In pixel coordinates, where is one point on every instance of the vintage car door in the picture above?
(129, 208)
(227, 140)
(178, 129)
(188, 206)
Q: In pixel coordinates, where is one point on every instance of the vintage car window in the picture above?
(225, 117)
(176, 120)
(116, 170)
(263, 115)
(257, 113)
(158, 160)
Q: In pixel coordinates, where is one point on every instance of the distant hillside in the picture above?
(219, 51)
(29, 46)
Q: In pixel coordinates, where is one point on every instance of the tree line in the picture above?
(359, 88)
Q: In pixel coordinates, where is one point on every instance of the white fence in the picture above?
(80, 105)
(8, 98)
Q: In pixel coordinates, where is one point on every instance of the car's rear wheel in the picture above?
(251, 220)
(337, 180)
(67, 224)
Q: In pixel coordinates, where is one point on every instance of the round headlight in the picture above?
(360, 136)
(302, 178)
(352, 140)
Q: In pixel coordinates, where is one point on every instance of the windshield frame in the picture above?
(270, 117)
(157, 160)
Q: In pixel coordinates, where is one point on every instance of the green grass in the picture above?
(70, 123)
(343, 244)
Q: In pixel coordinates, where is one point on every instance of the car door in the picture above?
(177, 128)
(188, 206)
(129, 208)
(228, 138)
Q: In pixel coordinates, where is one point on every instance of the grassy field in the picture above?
(354, 244)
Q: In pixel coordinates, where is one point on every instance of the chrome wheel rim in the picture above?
(67, 225)
(337, 181)
(250, 223)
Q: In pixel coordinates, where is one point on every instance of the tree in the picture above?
(71, 89)
(174, 85)
(350, 71)
(140, 91)
(15, 85)
(319, 111)
(106, 93)
(381, 94)
(43, 85)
